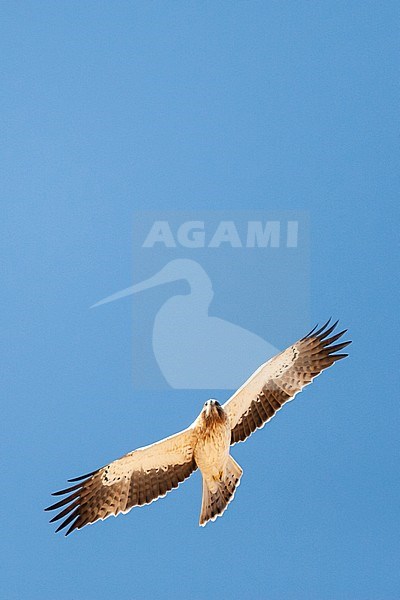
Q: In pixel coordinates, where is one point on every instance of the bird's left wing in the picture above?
(133, 480)
(280, 379)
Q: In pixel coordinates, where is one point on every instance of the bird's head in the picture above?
(212, 409)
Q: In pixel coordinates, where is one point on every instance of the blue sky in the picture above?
(110, 108)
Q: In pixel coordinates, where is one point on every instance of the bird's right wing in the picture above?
(280, 379)
(133, 480)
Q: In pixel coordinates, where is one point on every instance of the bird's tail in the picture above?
(218, 494)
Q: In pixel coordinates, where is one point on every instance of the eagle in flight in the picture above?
(150, 472)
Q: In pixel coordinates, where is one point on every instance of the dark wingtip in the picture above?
(337, 347)
(74, 516)
(310, 332)
(63, 502)
(71, 529)
(324, 331)
(56, 518)
(328, 331)
(328, 342)
(67, 490)
(321, 329)
(59, 528)
(81, 477)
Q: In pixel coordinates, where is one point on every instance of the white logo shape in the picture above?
(194, 350)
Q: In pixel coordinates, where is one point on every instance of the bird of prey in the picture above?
(150, 472)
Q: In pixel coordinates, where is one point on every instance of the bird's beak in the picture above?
(208, 410)
(158, 279)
